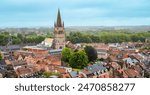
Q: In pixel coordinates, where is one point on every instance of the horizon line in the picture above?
(73, 26)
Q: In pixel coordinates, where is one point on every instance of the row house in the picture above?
(26, 72)
(6, 69)
(93, 70)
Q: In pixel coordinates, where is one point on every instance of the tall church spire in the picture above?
(59, 33)
(59, 23)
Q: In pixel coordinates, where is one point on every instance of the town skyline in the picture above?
(41, 54)
(36, 13)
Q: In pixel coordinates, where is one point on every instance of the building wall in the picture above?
(59, 38)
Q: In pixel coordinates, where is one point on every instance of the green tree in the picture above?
(78, 60)
(95, 39)
(39, 39)
(107, 36)
(91, 53)
(0, 56)
(66, 54)
(21, 37)
(4, 39)
(16, 40)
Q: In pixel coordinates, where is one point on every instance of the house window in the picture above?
(60, 47)
(60, 32)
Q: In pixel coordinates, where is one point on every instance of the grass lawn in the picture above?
(78, 70)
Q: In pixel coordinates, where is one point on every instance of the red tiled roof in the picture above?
(115, 65)
(54, 59)
(24, 70)
(142, 65)
(104, 75)
(132, 73)
(125, 55)
(137, 68)
(124, 75)
(85, 71)
(7, 62)
(66, 75)
(61, 70)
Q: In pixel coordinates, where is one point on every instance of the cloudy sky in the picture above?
(31, 13)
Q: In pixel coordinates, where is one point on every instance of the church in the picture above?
(59, 33)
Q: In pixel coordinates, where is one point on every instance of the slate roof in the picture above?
(73, 74)
(12, 47)
(130, 61)
(95, 68)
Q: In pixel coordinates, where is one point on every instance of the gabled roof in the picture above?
(85, 71)
(130, 61)
(54, 59)
(137, 68)
(7, 62)
(19, 63)
(123, 74)
(73, 74)
(95, 67)
(114, 65)
(26, 71)
(132, 73)
(48, 41)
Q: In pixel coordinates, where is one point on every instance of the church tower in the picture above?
(59, 33)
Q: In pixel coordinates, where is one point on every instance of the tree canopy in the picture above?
(19, 38)
(66, 54)
(107, 37)
(91, 53)
(0, 56)
(78, 60)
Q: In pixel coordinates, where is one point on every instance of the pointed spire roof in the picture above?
(59, 23)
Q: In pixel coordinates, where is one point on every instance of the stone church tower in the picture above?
(59, 33)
